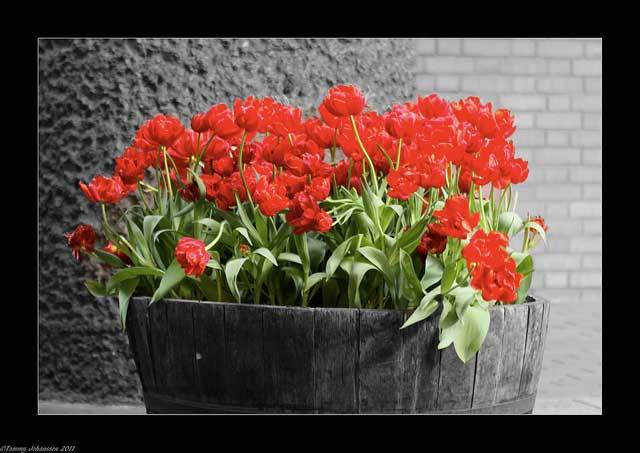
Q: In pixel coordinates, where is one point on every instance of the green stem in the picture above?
(241, 167)
(374, 177)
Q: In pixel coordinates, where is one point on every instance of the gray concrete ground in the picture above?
(571, 381)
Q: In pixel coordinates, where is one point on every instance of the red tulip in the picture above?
(82, 239)
(192, 256)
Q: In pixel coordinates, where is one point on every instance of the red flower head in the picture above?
(431, 243)
(403, 183)
(319, 188)
(271, 198)
(305, 215)
(274, 149)
(247, 114)
(315, 166)
(321, 134)
(105, 190)
(286, 120)
(344, 100)
(82, 239)
(433, 106)
(402, 123)
(292, 183)
(519, 171)
(199, 122)
(455, 220)
(217, 148)
(341, 173)
(486, 248)
(222, 122)
(504, 121)
(540, 221)
(165, 130)
(185, 147)
(334, 122)
(211, 183)
(110, 248)
(131, 165)
(192, 256)
(499, 283)
(223, 166)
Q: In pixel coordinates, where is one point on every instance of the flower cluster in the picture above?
(252, 200)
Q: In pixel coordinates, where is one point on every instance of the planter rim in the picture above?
(538, 301)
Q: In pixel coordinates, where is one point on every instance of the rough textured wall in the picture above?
(93, 94)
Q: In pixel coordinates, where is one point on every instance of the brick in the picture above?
(557, 138)
(557, 156)
(529, 102)
(483, 84)
(449, 46)
(447, 83)
(585, 280)
(559, 67)
(524, 84)
(559, 103)
(565, 227)
(588, 139)
(425, 82)
(592, 121)
(449, 65)
(523, 47)
(487, 47)
(553, 174)
(425, 46)
(587, 67)
(592, 156)
(586, 209)
(558, 192)
(587, 103)
(556, 261)
(585, 174)
(523, 66)
(525, 120)
(556, 209)
(560, 85)
(556, 279)
(593, 49)
(559, 48)
(560, 296)
(529, 137)
(593, 84)
(592, 226)
(592, 296)
(592, 191)
(586, 244)
(487, 65)
(559, 120)
(525, 153)
(592, 262)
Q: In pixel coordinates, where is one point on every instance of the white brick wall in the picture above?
(554, 88)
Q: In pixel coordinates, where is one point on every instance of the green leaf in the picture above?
(231, 271)
(291, 257)
(202, 189)
(472, 333)
(125, 292)
(313, 280)
(358, 270)
(410, 274)
(131, 272)
(296, 275)
(433, 271)
(173, 275)
(317, 250)
(248, 224)
(109, 258)
(97, 289)
(509, 222)
(330, 293)
(427, 306)
(337, 256)
(303, 251)
(449, 324)
(214, 264)
(524, 264)
(380, 261)
(523, 289)
(243, 231)
(267, 254)
(464, 297)
(149, 225)
(409, 240)
(449, 276)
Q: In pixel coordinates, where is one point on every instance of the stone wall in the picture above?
(93, 95)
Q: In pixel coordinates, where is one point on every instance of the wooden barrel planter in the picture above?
(211, 357)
